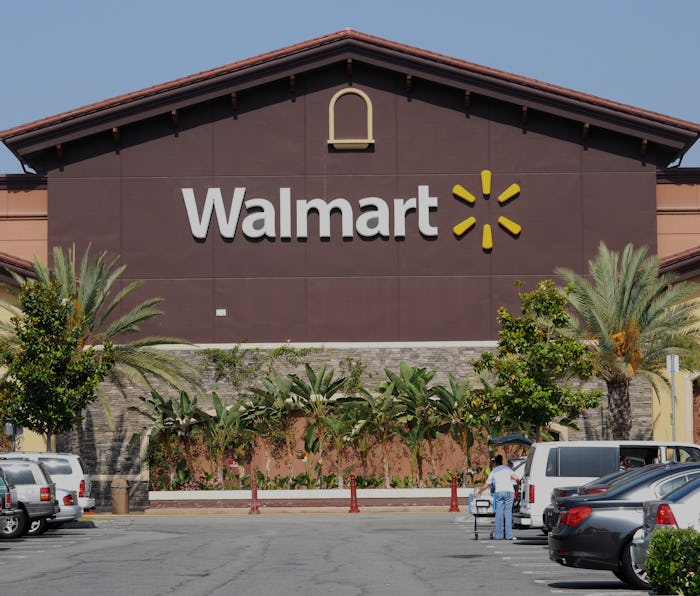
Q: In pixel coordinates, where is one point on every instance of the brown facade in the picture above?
(586, 171)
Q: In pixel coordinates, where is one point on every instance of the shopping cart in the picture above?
(481, 507)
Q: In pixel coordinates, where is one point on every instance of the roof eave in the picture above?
(10, 264)
(676, 135)
(684, 266)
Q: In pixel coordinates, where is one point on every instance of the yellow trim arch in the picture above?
(350, 144)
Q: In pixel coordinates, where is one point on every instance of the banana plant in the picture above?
(227, 429)
(416, 414)
(339, 424)
(315, 396)
(460, 411)
(379, 419)
(273, 411)
(173, 424)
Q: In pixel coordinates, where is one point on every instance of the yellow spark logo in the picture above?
(465, 225)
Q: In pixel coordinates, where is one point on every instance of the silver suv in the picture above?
(67, 471)
(8, 499)
(36, 495)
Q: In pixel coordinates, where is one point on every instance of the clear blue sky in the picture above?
(60, 55)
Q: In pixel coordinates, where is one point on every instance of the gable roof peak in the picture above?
(672, 132)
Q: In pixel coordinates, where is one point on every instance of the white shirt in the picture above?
(501, 476)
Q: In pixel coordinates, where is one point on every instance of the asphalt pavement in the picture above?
(369, 553)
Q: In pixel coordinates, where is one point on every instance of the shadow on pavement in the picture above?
(78, 524)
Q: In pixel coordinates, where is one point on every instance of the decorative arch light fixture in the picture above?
(350, 144)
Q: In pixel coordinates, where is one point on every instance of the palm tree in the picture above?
(635, 317)
(91, 284)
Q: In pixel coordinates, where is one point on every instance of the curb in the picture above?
(236, 511)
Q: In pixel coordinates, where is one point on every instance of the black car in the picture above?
(595, 531)
(599, 485)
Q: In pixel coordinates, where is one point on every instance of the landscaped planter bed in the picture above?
(334, 498)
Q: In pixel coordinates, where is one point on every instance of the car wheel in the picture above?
(633, 574)
(14, 526)
(37, 527)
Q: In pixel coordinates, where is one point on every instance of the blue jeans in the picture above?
(504, 515)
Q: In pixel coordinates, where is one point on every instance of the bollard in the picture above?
(454, 503)
(254, 508)
(120, 496)
(353, 496)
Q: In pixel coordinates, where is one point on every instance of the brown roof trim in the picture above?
(685, 264)
(22, 182)
(678, 176)
(376, 42)
(17, 265)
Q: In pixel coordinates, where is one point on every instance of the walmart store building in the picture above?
(351, 192)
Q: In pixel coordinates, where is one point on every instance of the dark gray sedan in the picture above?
(596, 531)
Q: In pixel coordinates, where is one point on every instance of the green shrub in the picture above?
(672, 562)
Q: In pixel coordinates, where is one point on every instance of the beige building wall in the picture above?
(678, 218)
(678, 231)
(684, 415)
(24, 234)
(23, 223)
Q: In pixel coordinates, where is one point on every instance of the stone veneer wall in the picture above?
(109, 449)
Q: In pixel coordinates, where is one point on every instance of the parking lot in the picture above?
(343, 554)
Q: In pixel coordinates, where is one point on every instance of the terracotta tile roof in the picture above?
(347, 34)
(685, 255)
(16, 264)
(685, 264)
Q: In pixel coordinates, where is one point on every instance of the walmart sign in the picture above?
(261, 218)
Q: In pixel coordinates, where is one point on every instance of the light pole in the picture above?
(672, 366)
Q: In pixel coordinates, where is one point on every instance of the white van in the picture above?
(67, 471)
(572, 463)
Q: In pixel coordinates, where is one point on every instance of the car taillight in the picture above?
(574, 516)
(45, 493)
(8, 500)
(531, 494)
(81, 490)
(68, 500)
(665, 517)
